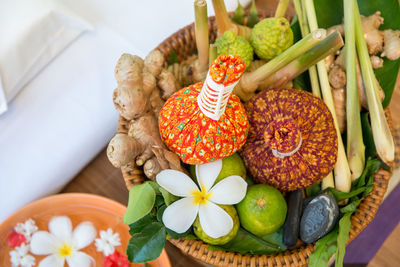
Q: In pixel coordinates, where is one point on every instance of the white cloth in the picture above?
(60, 121)
(32, 34)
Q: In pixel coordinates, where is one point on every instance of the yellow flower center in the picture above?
(201, 197)
(65, 250)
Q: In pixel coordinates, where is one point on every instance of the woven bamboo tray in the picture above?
(183, 42)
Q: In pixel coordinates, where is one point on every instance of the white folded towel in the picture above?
(32, 34)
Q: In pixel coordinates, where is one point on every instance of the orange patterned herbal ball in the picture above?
(292, 141)
(206, 122)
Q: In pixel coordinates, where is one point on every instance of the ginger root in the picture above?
(138, 99)
(337, 77)
(392, 44)
(188, 72)
(339, 100)
(372, 35)
(376, 62)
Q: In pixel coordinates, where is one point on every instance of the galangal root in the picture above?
(142, 85)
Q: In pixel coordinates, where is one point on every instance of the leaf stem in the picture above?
(201, 32)
(380, 129)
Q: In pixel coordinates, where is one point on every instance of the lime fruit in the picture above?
(198, 230)
(232, 165)
(263, 210)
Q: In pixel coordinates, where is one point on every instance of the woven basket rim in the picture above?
(291, 257)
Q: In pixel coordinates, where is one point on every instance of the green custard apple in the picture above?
(232, 165)
(270, 37)
(198, 230)
(230, 44)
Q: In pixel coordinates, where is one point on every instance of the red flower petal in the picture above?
(116, 260)
(15, 239)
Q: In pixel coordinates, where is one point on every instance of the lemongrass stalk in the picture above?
(225, 23)
(249, 82)
(281, 9)
(212, 53)
(328, 46)
(341, 170)
(312, 71)
(238, 15)
(380, 129)
(252, 18)
(201, 32)
(355, 144)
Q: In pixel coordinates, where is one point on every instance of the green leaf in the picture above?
(352, 206)
(148, 244)
(173, 58)
(159, 201)
(252, 18)
(168, 197)
(372, 166)
(313, 190)
(343, 236)
(160, 213)
(141, 201)
(245, 243)
(339, 195)
(138, 226)
(325, 248)
(368, 138)
(330, 12)
(155, 186)
(238, 15)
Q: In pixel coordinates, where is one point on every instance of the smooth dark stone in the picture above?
(319, 218)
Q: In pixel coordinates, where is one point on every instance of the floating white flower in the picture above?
(107, 242)
(28, 228)
(63, 244)
(180, 215)
(20, 257)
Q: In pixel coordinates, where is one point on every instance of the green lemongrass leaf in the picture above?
(343, 236)
(330, 12)
(352, 207)
(252, 18)
(147, 244)
(247, 243)
(372, 166)
(141, 201)
(138, 226)
(238, 15)
(339, 195)
(324, 249)
(168, 197)
(370, 150)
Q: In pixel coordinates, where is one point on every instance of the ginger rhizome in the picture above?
(142, 85)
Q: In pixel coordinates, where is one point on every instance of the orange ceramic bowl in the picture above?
(104, 213)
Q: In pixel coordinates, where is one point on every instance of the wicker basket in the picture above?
(183, 42)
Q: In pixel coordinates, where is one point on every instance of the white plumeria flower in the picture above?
(107, 242)
(28, 228)
(180, 215)
(20, 257)
(63, 244)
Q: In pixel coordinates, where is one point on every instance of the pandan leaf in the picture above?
(370, 150)
(330, 12)
(324, 249)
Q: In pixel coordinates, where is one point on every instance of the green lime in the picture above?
(232, 165)
(223, 239)
(263, 210)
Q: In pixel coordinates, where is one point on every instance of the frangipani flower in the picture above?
(20, 257)
(180, 215)
(63, 244)
(107, 242)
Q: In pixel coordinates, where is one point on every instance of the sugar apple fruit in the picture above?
(270, 37)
